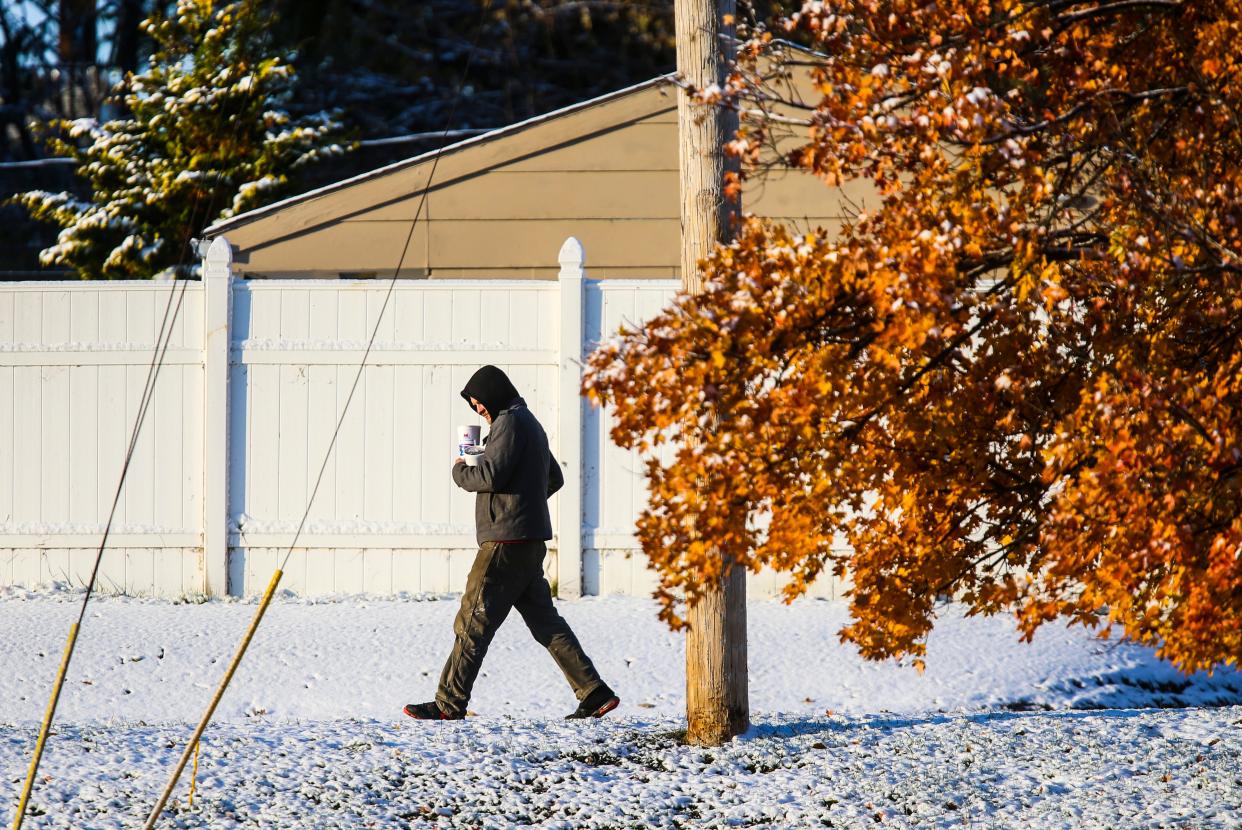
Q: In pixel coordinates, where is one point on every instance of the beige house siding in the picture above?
(500, 205)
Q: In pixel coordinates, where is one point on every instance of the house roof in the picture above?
(433, 156)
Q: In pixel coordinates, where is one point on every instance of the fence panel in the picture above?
(387, 517)
(615, 489)
(74, 359)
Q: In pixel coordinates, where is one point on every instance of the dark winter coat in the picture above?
(516, 472)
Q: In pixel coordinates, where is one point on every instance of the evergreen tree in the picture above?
(205, 136)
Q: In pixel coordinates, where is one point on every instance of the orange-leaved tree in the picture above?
(1015, 380)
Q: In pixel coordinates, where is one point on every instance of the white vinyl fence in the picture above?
(247, 401)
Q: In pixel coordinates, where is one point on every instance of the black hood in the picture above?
(490, 387)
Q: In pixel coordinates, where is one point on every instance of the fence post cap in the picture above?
(220, 252)
(571, 253)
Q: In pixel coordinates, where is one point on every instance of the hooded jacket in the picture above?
(516, 472)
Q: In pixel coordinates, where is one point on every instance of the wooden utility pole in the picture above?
(717, 706)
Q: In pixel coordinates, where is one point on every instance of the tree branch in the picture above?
(1123, 5)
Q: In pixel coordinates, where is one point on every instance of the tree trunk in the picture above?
(76, 52)
(717, 707)
(15, 56)
(77, 32)
(125, 40)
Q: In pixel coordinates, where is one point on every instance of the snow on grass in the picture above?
(994, 734)
(1012, 769)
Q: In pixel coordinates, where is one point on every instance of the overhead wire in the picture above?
(269, 592)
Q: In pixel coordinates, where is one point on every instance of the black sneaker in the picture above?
(428, 711)
(595, 705)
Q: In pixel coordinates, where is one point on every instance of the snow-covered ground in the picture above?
(1064, 732)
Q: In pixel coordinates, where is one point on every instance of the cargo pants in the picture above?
(504, 576)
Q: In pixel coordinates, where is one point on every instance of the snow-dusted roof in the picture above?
(501, 132)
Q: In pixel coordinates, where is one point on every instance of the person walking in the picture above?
(515, 476)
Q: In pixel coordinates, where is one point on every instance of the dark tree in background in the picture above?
(126, 38)
(392, 67)
(58, 59)
(28, 65)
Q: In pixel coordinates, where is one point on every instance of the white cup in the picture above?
(467, 437)
(472, 455)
